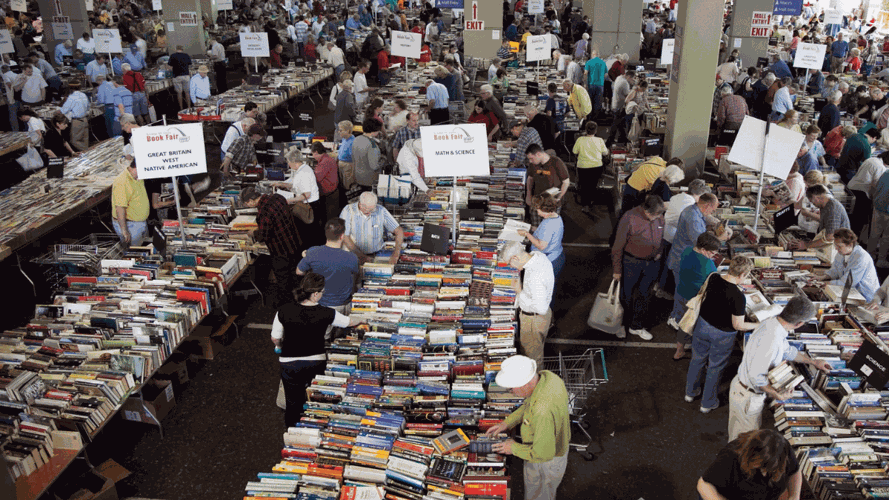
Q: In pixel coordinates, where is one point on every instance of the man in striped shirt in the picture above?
(123, 103)
(366, 227)
(76, 108)
(301, 32)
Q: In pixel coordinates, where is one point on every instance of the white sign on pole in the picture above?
(455, 150)
(667, 50)
(539, 48)
(833, 16)
(809, 55)
(61, 28)
(156, 5)
(108, 41)
(89, 5)
(169, 151)
(535, 7)
(780, 150)
(19, 5)
(254, 44)
(224, 5)
(6, 46)
(406, 44)
(188, 19)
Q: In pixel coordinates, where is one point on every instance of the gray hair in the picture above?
(125, 67)
(844, 85)
(836, 96)
(529, 108)
(510, 250)
(293, 155)
(567, 59)
(674, 174)
(727, 90)
(345, 125)
(797, 310)
(698, 187)
(127, 118)
(246, 122)
(368, 199)
(787, 81)
(769, 79)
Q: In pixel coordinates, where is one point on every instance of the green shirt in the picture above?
(546, 424)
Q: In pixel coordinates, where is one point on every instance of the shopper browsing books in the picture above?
(722, 317)
(766, 348)
(758, 464)
(548, 236)
(129, 201)
(832, 216)
(694, 267)
(534, 295)
(298, 330)
(545, 425)
(366, 226)
(852, 260)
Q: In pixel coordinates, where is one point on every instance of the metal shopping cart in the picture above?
(582, 374)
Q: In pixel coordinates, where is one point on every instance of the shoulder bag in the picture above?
(687, 323)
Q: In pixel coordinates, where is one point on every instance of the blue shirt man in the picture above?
(352, 25)
(780, 69)
(338, 266)
(596, 68)
(95, 68)
(691, 224)
(61, 51)
(437, 95)
(199, 87)
(117, 64)
(839, 48)
(123, 98)
(135, 58)
(77, 105)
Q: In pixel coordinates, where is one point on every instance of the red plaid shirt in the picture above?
(732, 109)
(276, 226)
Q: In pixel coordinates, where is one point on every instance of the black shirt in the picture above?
(723, 301)
(829, 119)
(304, 329)
(730, 481)
(546, 127)
(53, 141)
(180, 61)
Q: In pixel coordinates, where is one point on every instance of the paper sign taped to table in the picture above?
(406, 44)
(809, 55)
(833, 16)
(667, 50)
(539, 48)
(108, 41)
(455, 150)
(168, 151)
(254, 44)
(6, 46)
(780, 150)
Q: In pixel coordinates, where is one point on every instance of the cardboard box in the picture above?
(159, 400)
(100, 482)
(206, 342)
(175, 369)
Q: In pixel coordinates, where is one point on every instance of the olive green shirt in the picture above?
(546, 424)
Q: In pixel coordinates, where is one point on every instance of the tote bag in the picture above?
(607, 313)
(687, 323)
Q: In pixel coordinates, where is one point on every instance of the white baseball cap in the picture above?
(516, 371)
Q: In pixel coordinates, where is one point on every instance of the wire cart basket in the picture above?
(581, 374)
(82, 258)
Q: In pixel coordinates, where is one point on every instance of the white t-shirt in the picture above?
(677, 204)
(32, 88)
(335, 91)
(360, 82)
(335, 57)
(35, 124)
(87, 46)
(304, 182)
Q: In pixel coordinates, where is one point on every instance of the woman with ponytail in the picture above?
(298, 334)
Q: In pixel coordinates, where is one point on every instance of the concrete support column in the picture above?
(751, 47)
(692, 80)
(192, 38)
(75, 11)
(617, 25)
(483, 43)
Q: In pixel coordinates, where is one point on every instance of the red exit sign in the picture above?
(475, 25)
(759, 31)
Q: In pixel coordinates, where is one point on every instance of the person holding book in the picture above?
(852, 259)
(715, 331)
(298, 330)
(694, 267)
(366, 226)
(832, 216)
(766, 348)
(533, 296)
(545, 425)
(338, 265)
(693, 221)
(129, 200)
(549, 233)
(757, 464)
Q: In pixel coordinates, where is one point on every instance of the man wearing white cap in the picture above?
(535, 293)
(546, 426)
(199, 87)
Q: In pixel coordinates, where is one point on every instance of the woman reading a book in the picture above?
(851, 259)
(298, 333)
(547, 237)
(759, 464)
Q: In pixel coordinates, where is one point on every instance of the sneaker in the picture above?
(690, 399)
(642, 333)
(622, 334)
(706, 410)
(672, 323)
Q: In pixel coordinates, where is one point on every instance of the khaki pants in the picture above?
(542, 479)
(878, 236)
(532, 334)
(836, 64)
(79, 134)
(745, 410)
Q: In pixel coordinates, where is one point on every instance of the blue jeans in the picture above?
(636, 279)
(109, 119)
(138, 231)
(13, 116)
(339, 69)
(664, 272)
(596, 93)
(296, 376)
(710, 349)
(558, 265)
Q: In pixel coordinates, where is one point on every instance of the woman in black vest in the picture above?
(298, 331)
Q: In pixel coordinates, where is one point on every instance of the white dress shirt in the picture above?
(304, 182)
(234, 131)
(537, 287)
(360, 82)
(765, 349)
(677, 204)
(335, 57)
(87, 46)
(409, 164)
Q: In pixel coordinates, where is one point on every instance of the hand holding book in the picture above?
(504, 448)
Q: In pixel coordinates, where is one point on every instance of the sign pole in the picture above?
(454, 212)
(762, 175)
(176, 198)
(112, 64)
